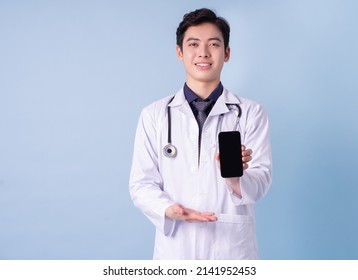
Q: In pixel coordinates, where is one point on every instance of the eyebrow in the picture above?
(210, 39)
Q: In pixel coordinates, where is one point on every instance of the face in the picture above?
(203, 54)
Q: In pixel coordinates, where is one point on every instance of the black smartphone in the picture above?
(230, 154)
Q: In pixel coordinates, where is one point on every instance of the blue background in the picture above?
(74, 76)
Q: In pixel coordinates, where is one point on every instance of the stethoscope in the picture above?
(170, 150)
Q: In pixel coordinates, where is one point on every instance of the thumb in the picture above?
(179, 209)
(217, 157)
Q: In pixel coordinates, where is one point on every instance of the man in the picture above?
(197, 213)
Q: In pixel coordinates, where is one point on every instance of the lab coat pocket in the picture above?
(235, 237)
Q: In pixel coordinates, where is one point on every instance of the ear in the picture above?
(179, 53)
(227, 54)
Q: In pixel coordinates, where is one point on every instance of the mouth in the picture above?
(203, 65)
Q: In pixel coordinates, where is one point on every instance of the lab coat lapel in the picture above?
(220, 106)
(180, 102)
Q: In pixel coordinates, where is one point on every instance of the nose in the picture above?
(204, 51)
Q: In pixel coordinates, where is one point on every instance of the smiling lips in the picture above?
(203, 65)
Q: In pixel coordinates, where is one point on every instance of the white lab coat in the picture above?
(156, 181)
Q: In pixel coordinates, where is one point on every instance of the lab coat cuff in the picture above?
(169, 225)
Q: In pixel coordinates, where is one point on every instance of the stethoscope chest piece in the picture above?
(170, 151)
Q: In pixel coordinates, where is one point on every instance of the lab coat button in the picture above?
(193, 168)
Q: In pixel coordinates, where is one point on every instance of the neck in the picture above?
(203, 90)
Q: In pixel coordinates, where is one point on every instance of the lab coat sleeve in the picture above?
(146, 183)
(257, 178)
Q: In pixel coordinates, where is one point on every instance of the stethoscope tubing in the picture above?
(170, 150)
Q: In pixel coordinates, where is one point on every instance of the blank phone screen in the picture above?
(230, 154)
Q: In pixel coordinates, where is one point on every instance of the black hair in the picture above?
(200, 16)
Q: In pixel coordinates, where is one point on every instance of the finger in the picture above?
(212, 218)
(217, 157)
(247, 152)
(245, 166)
(246, 159)
(207, 213)
(200, 218)
(191, 215)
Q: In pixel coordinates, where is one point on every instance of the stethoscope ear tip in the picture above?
(170, 151)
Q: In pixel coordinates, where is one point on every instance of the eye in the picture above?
(193, 44)
(214, 45)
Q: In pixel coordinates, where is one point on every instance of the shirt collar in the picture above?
(190, 95)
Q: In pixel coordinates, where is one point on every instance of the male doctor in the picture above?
(197, 213)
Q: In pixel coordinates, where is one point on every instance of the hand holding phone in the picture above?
(230, 154)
